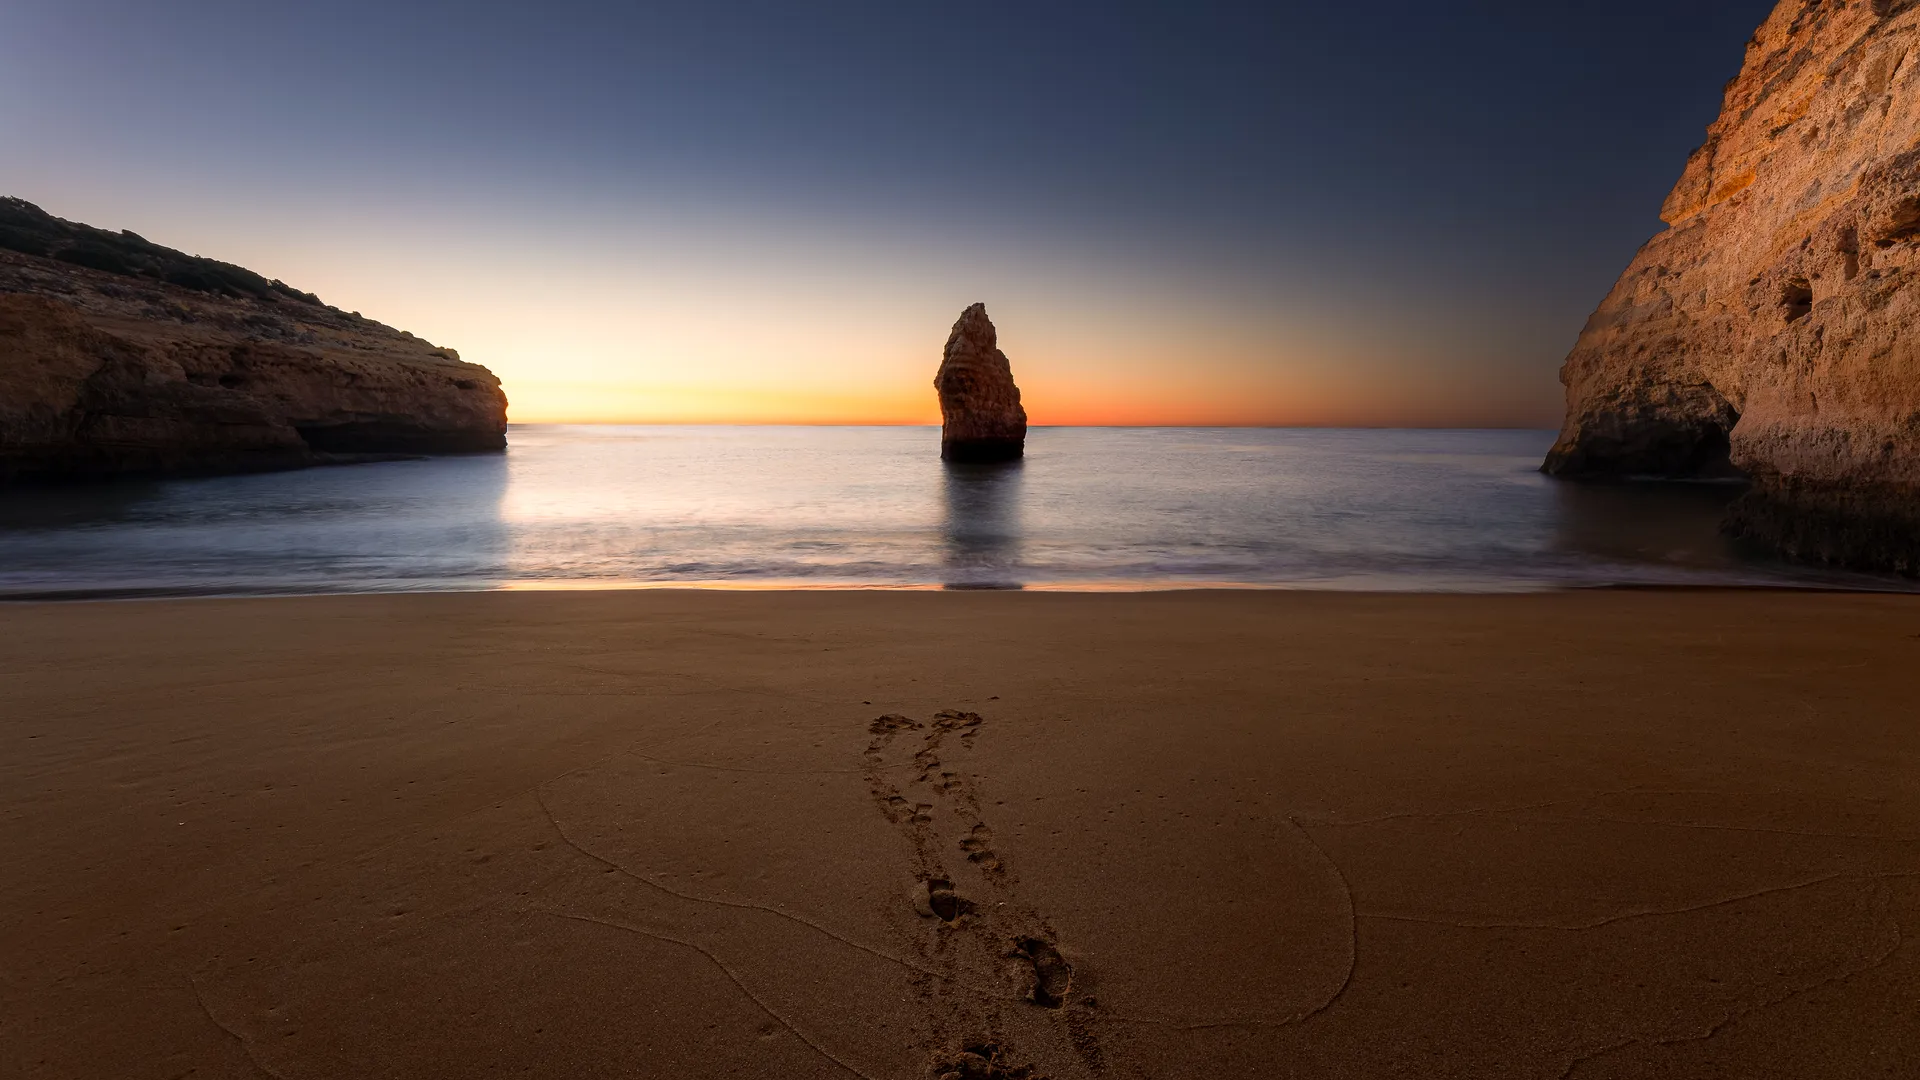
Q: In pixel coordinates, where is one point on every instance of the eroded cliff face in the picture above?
(982, 419)
(1774, 327)
(125, 370)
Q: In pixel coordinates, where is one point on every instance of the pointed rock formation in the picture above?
(981, 417)
(121, 357)
(1774, 327)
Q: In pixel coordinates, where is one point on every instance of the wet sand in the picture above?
(1172, 835)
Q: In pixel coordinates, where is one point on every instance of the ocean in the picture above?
(1089, 508)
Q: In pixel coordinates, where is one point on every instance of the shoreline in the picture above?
(687, 832)
(1895, 587)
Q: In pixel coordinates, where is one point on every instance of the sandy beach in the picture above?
(1206, 834)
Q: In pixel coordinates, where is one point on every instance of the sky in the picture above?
(1380, 214)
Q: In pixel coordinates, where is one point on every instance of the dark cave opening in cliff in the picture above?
(1711, 456)
(1796, 298)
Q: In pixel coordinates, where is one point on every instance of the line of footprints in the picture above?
(936, 896)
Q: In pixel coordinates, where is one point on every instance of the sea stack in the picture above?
(1774, 327)
(981, 417)
(120, 357)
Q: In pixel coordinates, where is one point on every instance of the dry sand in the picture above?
(1233, 834)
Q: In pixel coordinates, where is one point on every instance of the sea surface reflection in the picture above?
(793, 506)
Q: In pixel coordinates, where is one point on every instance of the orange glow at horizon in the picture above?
(685, 315)
(1049, 403)
(1074, 376)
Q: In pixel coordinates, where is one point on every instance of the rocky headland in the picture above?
(980, 411)
(1771, 329)
(121, 357)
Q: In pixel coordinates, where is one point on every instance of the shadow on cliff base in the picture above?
(982, 527)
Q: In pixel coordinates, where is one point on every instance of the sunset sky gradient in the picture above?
(1272, 213)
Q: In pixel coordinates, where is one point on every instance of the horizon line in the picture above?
(1032, 427)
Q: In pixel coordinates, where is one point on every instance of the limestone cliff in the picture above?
(982, 419)
(1774, 327)
(118, 357)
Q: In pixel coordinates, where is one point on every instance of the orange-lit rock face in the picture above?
(1772, 326)
(982, 419)
(111, 372)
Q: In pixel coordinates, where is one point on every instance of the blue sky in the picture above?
(1288, 213)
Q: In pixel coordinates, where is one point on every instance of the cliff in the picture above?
(119, 356)
(980, 411)
(1774, 327)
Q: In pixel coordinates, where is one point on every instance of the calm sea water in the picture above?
(745, 506)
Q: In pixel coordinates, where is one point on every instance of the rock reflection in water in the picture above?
(432, 524)
(982, 526)
(1672, 524)
(52, 507)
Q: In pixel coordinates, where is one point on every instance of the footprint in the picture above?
(936, 898)
(954, 720)
(980, 1061)
(884, 728)
(1052, 975)
(890, 723)
(979, 849)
